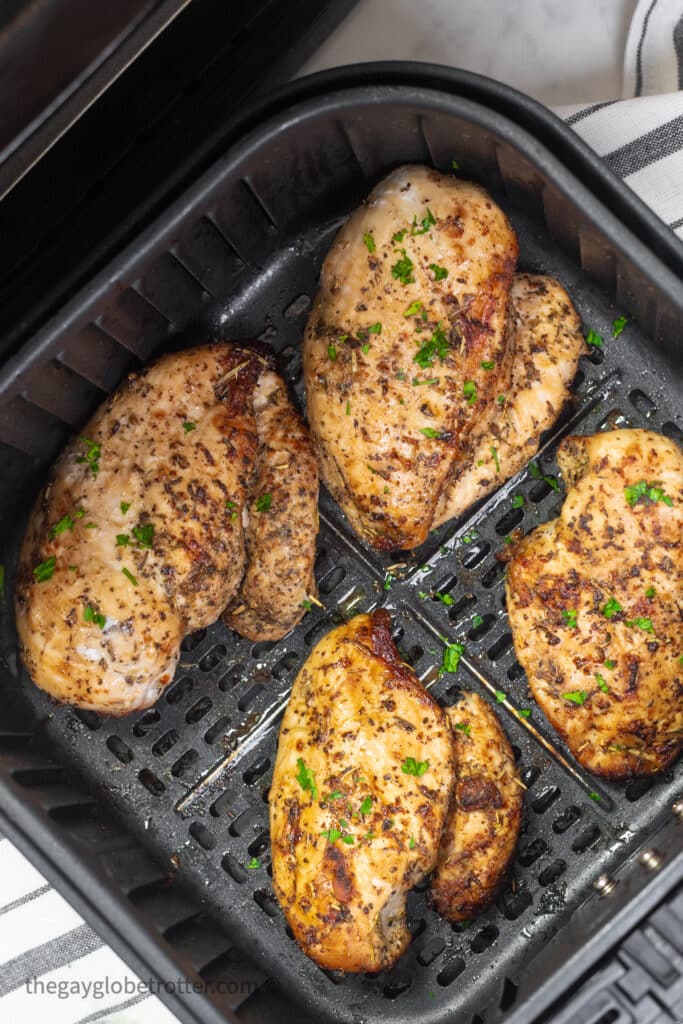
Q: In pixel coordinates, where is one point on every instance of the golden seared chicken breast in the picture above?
(281, 521)
(138, 536)
(594, 599)
(407, 347)
(360, 792)
(547, 344)
(483, 823)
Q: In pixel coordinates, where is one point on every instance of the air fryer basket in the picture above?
(239, 256)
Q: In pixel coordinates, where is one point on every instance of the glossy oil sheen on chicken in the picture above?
(412, 307)
(594, 599)
(360, 791)
(138, 536)
(485, 815)
(547, 343)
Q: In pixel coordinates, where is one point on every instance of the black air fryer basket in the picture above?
(148, 822)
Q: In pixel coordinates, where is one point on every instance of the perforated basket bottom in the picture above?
(190, 777)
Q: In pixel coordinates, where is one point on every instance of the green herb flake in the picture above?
(306, 779)
(416, 382)
(576, 696)
(469, 390)
(348, 407)
(402, 270)
(517, 501)
(366, 805)
(610, 664)
(440, 273)
(92, 456)
(411, 843)
(369, 242)
(487, 364)
(648, 493)
(477, 621)
(264, 502)
(125, 505)
(411, 766)
(348, 840)
(45, 571)
(594, 339)
(467, 538)
(455, 165)
(231, 507)
(430, 432)
(90, 615)
(595, 796)
(425, 224)
(534, 471)
(618, 326)
(569, 616)
(253, 864)
(641, 623)
(500, 696)
(331, 834)
(496, 460)
(122, 540)
(436, 346)
(650, 592)
(501, 400)
(463, 727)
(189, 426)
(413, 308)
(129, 576)
(399, 236)
(444, 598)
(365, 348)
(611, 608)
(451, 657)
(524, 712)
(375, 329)
(602, 682)
(307, 605)
(65, 523)
(144, 534)
(388, 580)
(332, 352)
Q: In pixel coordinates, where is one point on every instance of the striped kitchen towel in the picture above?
(52, 965)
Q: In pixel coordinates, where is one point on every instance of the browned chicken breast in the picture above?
(282, 520)
(406, 347)
(360, 792)
(138, 536)
(594, 599)
(547, 345)
(484, 819)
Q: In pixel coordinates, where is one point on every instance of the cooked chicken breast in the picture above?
(594, 600)
(138, 536)
(360, 791)
(483, 823)
(412, 305)
(282, 520)
(548, 342)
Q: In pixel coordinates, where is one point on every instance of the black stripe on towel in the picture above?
(25, 899)
(48, 957)
(639, 51)
(587, 111)
(662, 141)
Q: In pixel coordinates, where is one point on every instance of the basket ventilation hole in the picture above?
(192, 639)
(297, 307)
(484, 939)
(482, 629)
(530, 854)
(610, 1017)
(673, 431)
(216, 730)
(645, 406)
(552, 872)
(508, 995)
(430, 951)
(515, 672)
(588, 838)
(615, 420)
(287, 662)
(250, 697)
(201, 834)
(501, 647)
(151, 783)
(260, 650)
(539, 491)
(493, 575)
(509, 522)
(457, 610)
(146, 724)
(260, 845)
(564, 821)
(179, 690)
(90, 719)
(232, 677)
(397, 985)
(165, 742)
(256, 771)
(316, 632)
(267, 902)
(185, 761)
(249, 821)
(120, 749)
(331, 580)
(514, 904)
(451, 971)
(475, 555)
(412, 655)
(639, 787)
(529, 775)
(546, 799)
(213, 657)
(198, 710)
(234, 868)
(445, 586)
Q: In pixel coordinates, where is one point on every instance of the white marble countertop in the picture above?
(516, 41)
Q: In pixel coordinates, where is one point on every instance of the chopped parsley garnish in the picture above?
(331, 834)
(366, 806)
(399, 236)
(650, 493)
(402, 270)
(496, 461)
(231, 507)
(569, 617)
(369, 241)
(576, 696)
(90, 615)
(501, 400)
(536, 474)
(144, 534)
(444, 598)
(436, 346)
(65, 523)
(263, 502)
(348, 407)
(125, 505)
(611, 608)
(500, 696)
(602, 682)
(189, 426)
(411, 843)
(440, 273)
(508, 539)
(487, 364)
(365, 348)
(462, 727)
(595, 796)
(467, 538)
(610, 664)
(306, 779)
(375, 329)
(618, 326)
(45, 571)
(413, 308)
(122, 540)
(426, 224)
(650, 592)
(92, 456)
(129, 576)
(524, 712)
(594, 339)
(451, 657)
(336, 794)
(91, 526)
(517, 501)
(455, 165)
(430, 432)
(307, 605)
(477, 621)
(332, 352)
(253, 864)
(388, 580)
(416, 382)
(411, 766)
(641, 623)
(469, 390)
